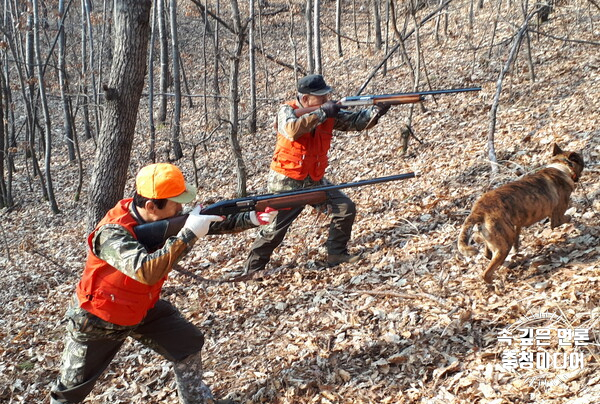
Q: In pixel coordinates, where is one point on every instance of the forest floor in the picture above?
(412, 321)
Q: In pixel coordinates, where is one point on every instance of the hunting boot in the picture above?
(337, 259)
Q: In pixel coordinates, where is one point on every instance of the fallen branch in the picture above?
(396, 294)
(52, 260)
(579, 41)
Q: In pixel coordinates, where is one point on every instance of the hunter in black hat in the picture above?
(304, 131)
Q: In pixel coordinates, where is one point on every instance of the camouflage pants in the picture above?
(91, 344)
(341, 208)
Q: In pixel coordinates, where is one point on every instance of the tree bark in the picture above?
(377, 24)
(234, 100)
(122, 97)
(64, 83)
(310, 56)
(152, 127)
(91, 71)
(84, 98)
(176, 129)
(252, 72)
(6, 155)
(45, 110)
(317, 36)
(494, 109)
(338, 27)
(164, 60)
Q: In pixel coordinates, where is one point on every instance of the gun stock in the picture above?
(153, 235)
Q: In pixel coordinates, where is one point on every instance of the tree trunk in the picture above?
(292, 36)
(377, 24)
(252, 72)
(518, 38)
(164, 61)
(64, 84)
(355, 24)
(216, 74)
(176, 128)
(122, 95)
(338, 27)
(91, 70)
(84, 98)
(5, 163)
(234, 100)
(317, 36)
(310, 56)
(45, 110)
(152, 127)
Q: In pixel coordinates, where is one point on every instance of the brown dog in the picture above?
(501, 213)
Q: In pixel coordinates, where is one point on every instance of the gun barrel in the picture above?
(339, 186)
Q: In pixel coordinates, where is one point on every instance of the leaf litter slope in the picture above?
(412, 321)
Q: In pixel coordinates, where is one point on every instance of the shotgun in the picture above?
(391, 99)
(154, 234)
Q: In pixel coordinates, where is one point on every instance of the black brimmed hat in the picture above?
(313, 85)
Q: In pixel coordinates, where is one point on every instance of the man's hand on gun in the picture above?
(382, 108)
(331, 109)
(263, 218)
(198, 223)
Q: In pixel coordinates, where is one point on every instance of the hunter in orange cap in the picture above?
(118, 295)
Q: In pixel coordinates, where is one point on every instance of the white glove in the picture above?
(263, 218)
(198, 223)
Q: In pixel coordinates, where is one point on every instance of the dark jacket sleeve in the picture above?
(232, 224)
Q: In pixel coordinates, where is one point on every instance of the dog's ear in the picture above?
(556, 150)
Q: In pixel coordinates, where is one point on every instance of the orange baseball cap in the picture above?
(164, 181)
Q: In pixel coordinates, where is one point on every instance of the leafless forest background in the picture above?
(412, 322)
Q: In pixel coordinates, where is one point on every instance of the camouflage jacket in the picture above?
(115, 245)
(291, 126)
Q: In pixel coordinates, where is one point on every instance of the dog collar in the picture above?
(565, 169)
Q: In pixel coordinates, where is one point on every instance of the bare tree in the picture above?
(64, 82)
(252, 71)
(5, 154)
(317, 36)
(310, 55)
(518, 38)
(338, 27)
(89, 67)
(45, 110)
(176, 128)
(292, 36)
(122, 94)
(377, 24)
(234, 98)
(152, 127)
(83, 98)
(164, 60)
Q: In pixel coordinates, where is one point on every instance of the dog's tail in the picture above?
(465, 235)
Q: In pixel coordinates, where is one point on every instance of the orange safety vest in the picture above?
(107, 292)
(305, 156)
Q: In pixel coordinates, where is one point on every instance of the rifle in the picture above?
(391, 99)
(154, 234)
